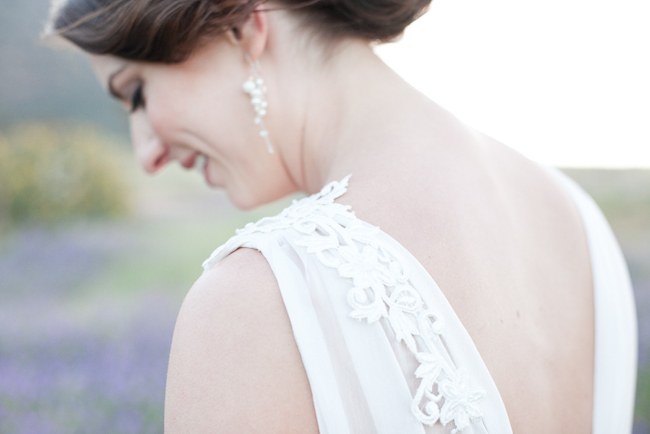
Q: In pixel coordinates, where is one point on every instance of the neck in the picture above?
(351, 112)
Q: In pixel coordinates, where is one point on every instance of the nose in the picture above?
(150, 151)
(152, 154)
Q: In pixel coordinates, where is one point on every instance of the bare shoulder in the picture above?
(234, 366)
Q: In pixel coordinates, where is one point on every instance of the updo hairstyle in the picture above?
(166, 31)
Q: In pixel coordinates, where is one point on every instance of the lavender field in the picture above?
(74, 358)
(87, 310)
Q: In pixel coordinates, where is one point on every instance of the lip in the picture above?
(189, 162)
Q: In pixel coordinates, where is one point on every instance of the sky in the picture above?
(565, 82)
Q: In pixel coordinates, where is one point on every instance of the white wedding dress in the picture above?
(383, 349)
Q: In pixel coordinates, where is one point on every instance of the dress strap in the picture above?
(615, 325)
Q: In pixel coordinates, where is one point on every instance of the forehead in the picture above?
(106, 66)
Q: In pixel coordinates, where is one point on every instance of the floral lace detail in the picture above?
(380, 290)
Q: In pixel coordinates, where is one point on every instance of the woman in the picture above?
(498, 303)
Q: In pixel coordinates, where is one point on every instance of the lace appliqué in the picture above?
(381, 290)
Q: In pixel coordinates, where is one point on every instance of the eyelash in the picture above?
(137, 99)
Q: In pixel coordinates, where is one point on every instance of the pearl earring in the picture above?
(256, 89)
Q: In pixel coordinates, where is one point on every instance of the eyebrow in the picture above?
(111, 89)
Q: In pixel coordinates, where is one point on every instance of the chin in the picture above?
(245, 202)
(249, 200)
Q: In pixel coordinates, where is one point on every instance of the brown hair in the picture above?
(168, 30)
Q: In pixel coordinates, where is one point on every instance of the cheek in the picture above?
(216, 117)
(169, 104)
(163, 118)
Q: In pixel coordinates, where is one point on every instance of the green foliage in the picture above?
(49, 174)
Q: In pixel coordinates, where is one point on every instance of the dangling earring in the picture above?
(255, 87)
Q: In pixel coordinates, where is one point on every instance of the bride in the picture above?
(433, 280)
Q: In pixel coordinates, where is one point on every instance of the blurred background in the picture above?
(95, 258)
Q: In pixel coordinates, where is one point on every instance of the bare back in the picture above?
(506, 245)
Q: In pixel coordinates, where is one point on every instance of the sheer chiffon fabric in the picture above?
(383, 349)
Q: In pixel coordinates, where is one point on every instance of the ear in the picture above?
(252, 35)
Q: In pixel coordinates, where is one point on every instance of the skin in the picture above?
(183, 117)
(501, 238)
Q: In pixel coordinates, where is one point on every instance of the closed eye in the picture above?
(137, 98)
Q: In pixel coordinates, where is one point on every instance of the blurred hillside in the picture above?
(39, 82)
